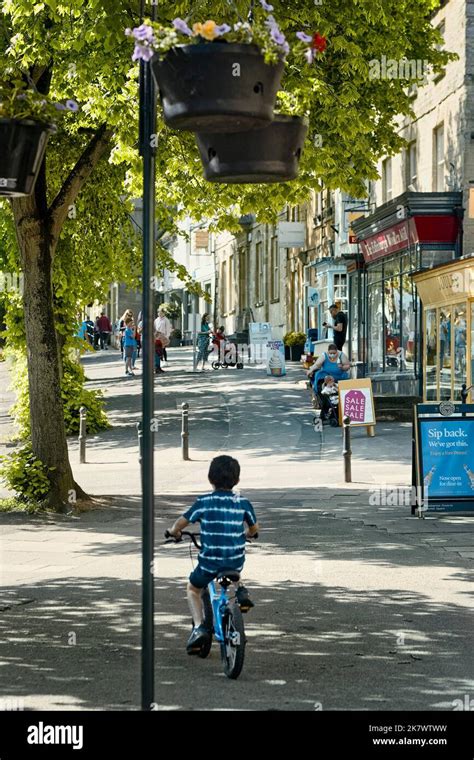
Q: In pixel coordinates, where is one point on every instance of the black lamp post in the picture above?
(147, 151)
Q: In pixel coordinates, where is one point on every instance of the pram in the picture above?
(227, 354)
(328, 405)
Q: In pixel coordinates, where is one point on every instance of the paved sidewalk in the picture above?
(358, 606)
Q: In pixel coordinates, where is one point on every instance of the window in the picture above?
(440, 46)
(340, 290)
(438, 159)
(259, 273)
(392, 304)
(408, 323)
(472, 350)
(430, 355)
(224, 288)
(322, 285)
(444, 354)
(231, 286)
(242, 279)
(410, 157)
(460, 338)
(386, 180)
(375, 327)
(275, 267)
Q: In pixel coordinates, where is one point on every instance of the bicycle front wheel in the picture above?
(233, 646)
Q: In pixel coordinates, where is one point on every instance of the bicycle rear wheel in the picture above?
(233, 646)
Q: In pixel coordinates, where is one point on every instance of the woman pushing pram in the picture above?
(324, 375)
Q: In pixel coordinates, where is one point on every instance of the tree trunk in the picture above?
(38, 228)
(46, 409)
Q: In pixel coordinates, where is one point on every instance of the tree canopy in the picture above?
(351, 114)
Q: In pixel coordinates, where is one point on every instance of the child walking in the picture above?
(129, 344)
(223, 516)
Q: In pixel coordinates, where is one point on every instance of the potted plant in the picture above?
(27, 119)
(176, 336)
(215, 77)
(266, 155)
(294, 345)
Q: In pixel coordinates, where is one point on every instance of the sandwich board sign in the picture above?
(276, 358)
(443, 457)
(356, 401)
(259, 334)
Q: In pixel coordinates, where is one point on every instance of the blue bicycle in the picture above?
(222, 616)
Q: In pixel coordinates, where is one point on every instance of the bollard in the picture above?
(140, 442)
(82, 434)
(346, 449)
(185, 431)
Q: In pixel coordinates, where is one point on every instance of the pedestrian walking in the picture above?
(130, 345)
(128, 314)
(163, 325)
(105, 329)
(203, 341)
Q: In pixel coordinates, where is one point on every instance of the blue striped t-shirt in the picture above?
(222, 515)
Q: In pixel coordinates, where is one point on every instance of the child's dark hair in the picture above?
(224, 472)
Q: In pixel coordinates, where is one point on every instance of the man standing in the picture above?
(163, 325)
(339, 327)
(105, 328)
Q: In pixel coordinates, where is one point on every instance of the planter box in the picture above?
(293, 353)
(22, 147)
(265, 155)
(216, 87)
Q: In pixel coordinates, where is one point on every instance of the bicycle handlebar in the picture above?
(194, 537)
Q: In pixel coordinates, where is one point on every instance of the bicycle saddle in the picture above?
(228, 574)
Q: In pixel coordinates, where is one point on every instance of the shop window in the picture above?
(376, 331)
(353, 351)
(472, 349)
(392, 303)
(408, 324)
(430, 259)
(460, 360)
(431, 355)
(444, 354)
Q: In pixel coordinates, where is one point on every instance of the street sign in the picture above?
(444, 456)
(291, 235)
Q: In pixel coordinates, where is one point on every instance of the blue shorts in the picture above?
(200, 578)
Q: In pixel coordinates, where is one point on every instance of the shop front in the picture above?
(413, 232)
(447, 296)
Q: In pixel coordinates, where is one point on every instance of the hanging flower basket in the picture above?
(215, 77)
(219, 87)
(22, 147)
(266, 155)
(27, 118)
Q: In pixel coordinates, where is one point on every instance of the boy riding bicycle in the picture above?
(222, 515)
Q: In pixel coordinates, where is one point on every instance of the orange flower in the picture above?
(206, 30)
